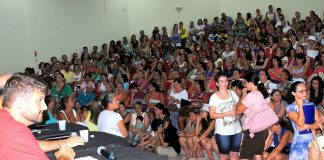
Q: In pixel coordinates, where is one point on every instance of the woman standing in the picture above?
(228, 130)
(299, 115)
(252, 147)
(177, 93)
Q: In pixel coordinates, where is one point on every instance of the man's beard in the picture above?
(34, 117)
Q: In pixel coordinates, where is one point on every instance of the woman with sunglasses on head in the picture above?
(228, 130)
(303, 116)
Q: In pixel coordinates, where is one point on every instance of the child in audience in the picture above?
(138, 126)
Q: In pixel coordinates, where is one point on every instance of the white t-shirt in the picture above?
(229, 55)
(134, 115)
(229, 125)
(181, 95)
(108, 122)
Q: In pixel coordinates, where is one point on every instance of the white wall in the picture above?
(14, 51)
(64, 26)
(56, 27)
(146, 14)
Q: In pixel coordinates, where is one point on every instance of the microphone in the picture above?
(102, 151)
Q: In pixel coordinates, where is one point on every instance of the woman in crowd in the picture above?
(51, 116)
(261, 61)
(316, 90)
(121, 95)
(285, 83)
(141, 82)
(111, 122)
(133, 131)
(101, 87)
(204, 132)
(160, 67)
(77, 77)
(281, 135)
(265, 79)
(298, 116)
(124, 113)
(91, 116)
(68, 112)
(153, 97)
(175, 96)
(228, 130)
(298, 71)
(135, 44)
(211, 84)
(275, 70)
(277, 104)
(252, 147)
(60, 90)
(237, 87)
(157, 77)
(186, 137)
(168, 137)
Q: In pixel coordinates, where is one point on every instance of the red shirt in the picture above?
(17, 141)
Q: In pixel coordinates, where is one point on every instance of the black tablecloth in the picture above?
(52, 130)
(119, 146)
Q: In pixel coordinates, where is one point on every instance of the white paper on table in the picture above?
(86, 158)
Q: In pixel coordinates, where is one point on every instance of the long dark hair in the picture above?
(318, 99)
(254, 78)
(285, 123)
(290, 97)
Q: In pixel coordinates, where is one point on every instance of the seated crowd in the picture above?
(190, 89)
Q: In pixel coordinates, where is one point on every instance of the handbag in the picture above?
(261, 119)
(316, 147)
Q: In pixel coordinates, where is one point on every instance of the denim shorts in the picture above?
(228, 143)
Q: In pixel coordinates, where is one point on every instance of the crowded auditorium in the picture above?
(229, 84)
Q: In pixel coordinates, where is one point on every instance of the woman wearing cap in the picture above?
(311, 52)
(228, 130)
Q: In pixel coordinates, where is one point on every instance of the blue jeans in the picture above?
(228, 143)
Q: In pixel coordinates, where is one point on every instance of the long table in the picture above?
(119, 146)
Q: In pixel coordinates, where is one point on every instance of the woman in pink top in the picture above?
(252, 147)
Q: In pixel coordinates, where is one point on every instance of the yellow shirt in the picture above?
(68, 76)
(91, 126)
(183, 33)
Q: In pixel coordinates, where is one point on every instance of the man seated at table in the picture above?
(23, 104)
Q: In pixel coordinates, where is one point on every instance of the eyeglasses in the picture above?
(302, 91)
